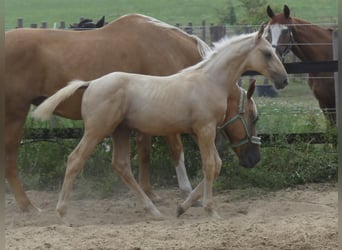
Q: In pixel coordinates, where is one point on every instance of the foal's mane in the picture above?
(224, 45)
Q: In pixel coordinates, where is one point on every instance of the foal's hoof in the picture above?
(31, 208)
(154, 197)
(197, 204)
(180, 210)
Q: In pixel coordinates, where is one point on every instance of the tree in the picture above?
(250, 12)
(227, 15)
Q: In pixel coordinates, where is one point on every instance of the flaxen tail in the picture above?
(45, 110)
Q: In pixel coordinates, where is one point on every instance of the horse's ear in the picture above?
(251, 89)
(270, 12)
(100, 23)
(286, 11)
(261, 31)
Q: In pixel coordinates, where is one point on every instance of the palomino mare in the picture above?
(308, 42)
(191, 101)
(87, 24)
(41, 61)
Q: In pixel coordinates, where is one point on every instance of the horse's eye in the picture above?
(268, 54)
(285, 31)
(255, 119)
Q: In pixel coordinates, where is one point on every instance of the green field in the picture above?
(174, 11)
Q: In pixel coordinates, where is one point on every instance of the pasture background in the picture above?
(42, 164)
(175, 11)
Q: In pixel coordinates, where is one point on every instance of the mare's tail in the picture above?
(45, 110)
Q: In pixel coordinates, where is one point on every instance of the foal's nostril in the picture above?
(286, 82)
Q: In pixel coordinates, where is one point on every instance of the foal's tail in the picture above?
(45, 110)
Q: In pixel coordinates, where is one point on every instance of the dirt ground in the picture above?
(299, 218)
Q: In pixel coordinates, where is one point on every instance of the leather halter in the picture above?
(249, 138)
(288, 46)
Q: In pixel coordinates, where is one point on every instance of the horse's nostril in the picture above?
(286, 82)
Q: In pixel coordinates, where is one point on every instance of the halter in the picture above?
(249, 138)
(287, 47)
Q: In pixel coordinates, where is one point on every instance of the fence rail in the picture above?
(45, 134)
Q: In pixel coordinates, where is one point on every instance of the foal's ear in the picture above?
(286, 11)
(251, 89)
(270, 12)
(261, 30)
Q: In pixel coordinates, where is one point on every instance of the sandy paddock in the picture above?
(299, 218)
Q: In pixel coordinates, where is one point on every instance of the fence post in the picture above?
(336, 80)
(20, 23)
(189, 28)
(44, 25)
(33, 25)
(62, 25)
(203, 30)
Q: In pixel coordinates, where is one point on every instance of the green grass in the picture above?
(174, 11)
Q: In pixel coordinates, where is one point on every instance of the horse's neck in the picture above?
(308, 34)
(220, 70)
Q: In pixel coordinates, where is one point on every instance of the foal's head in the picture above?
(264, 60)
(240, 126)
(280, 29)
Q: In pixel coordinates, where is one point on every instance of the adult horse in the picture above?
(308, 42)
(41, 61)
(192, 101)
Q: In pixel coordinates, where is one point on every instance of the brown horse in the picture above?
(308, 42)
(39, 62)
(192, 101)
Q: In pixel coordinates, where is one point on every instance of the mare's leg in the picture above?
(175, 145)
(14, 124)
(121, 164)
(144, 153)
(75, 163)
(211, 169)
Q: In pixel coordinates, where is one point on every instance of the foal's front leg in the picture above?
(211, 168)
(121, 164)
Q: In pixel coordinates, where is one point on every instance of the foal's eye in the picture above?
(267, 54)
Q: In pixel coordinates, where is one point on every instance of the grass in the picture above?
(175, 11)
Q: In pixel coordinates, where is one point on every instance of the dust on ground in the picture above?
(301, 218)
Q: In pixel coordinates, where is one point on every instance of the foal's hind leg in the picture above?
(75, 163)
(121, 164)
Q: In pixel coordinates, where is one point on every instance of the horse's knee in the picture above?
(121, 167)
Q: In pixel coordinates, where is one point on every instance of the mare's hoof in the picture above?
(180, 210)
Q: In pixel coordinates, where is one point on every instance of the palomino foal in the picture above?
(191, 101)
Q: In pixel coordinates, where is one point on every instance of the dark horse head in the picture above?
(87, 24)
(240, 127)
